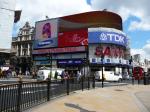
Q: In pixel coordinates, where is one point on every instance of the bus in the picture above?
(138, 73)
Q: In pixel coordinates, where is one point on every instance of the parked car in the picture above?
(44, 73)
(125, 76)
(108, 76)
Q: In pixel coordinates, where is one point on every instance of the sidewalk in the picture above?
(111, 99)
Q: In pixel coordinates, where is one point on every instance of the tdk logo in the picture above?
(112, 37)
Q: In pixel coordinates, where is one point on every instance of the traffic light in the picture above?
(130, 60)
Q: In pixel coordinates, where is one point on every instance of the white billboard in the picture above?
(7, 8)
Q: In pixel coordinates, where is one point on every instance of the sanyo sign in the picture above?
(104, 36)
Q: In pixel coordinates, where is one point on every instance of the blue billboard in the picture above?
(107, 37)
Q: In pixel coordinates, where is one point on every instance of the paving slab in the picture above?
(109, 99)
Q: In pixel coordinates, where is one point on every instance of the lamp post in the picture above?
(50, 60)
(102, 58)
(130, 62)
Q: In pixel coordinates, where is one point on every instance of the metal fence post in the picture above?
(19, 95)
(82, 83)
(93, 85)
(88, 82)
(48, 88)
(132, 80)
(67, 86)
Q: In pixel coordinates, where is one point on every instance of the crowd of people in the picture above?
(69, 75)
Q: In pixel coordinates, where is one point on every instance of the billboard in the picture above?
(7, 8)
(60, 50)
(107, 36)
(73, 38)
(46, 34)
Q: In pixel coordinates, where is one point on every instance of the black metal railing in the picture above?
(23, 95)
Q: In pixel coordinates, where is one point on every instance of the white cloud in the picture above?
(145, 51)
(34, 10)
(127, 8)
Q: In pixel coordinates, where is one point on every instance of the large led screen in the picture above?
(46, 34)
(73, 38)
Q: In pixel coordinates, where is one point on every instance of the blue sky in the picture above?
(135, 16)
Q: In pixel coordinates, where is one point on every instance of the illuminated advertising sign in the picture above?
(46, 34)
(60, 50)
(73, 38)
(107, 37)
(70, 62)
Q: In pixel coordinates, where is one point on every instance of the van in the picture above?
(108, 76)
(43, 73)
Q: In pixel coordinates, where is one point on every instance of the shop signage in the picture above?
(42, 63)
(107, 37)
(73, 38)
(60, 50)
(109, 61)
(70, 62)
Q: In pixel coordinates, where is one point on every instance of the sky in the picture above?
(135, 15)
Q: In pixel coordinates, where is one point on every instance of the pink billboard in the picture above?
(46, 34)
(73, 38)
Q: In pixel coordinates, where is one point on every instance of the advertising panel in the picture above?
(70, 62)
(60, 50)
(7, 8)
(46, 34)
(104, 36)
(73, 38)
(112, 54)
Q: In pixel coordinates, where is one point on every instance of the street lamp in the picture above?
(102, 59)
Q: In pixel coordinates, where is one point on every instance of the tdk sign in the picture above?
(112, 37)
(107, 37)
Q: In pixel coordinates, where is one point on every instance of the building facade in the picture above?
(22, 45)
(80, 41)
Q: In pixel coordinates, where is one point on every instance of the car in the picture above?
(125, 76)
(108, 76)
(44, 73)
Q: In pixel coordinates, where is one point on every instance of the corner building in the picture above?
(85, 41)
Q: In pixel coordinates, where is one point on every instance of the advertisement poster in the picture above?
(114, 37)
(46, 34)
(73, 38)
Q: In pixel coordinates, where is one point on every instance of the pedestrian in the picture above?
(55, 76)
(78, 76)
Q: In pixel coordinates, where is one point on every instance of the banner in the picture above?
(60, 50)
(46, 34)
(73, 38)
(70, 62)
(107, 37)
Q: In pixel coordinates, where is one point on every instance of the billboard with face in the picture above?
(46, 34)
(6, 23)
(73, 38)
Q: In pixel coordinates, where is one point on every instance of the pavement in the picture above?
(128, 98)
